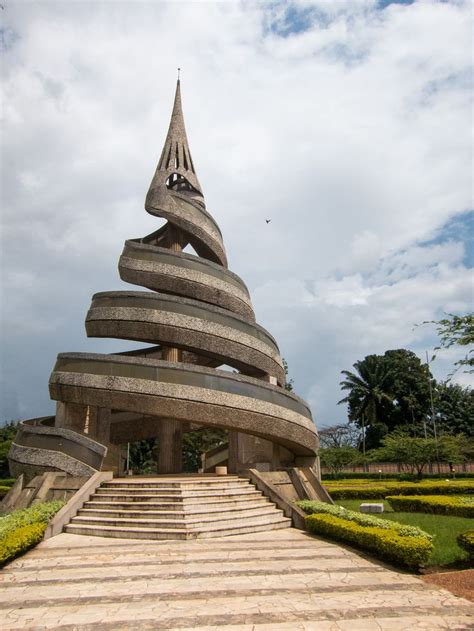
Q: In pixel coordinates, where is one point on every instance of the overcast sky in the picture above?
(345, 122)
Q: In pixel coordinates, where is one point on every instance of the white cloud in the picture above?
(352, 135)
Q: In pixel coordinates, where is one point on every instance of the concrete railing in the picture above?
(270, 490)
(67, 512)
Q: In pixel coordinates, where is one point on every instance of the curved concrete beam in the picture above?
(160, 269)
(43, 448)
(184, 393)
(187, 324)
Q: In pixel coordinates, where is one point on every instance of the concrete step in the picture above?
(249, 526)
(196, 485)
(194, 478)
(165, 488)
(191, 515)
(174, 508)
(125, 533)
(268, 512)
(175, 496)
(205, 504)
(155, 490)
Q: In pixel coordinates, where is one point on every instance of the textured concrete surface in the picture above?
(185, 275)
(203, 310)
(284, 580)
(165, 389)
(188, 324)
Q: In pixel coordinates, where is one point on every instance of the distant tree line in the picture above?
(398, 412)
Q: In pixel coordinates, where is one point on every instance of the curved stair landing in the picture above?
(176, 508)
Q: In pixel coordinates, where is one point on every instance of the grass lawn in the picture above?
(444, 528)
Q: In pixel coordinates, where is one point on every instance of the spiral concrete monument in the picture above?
(198, 316)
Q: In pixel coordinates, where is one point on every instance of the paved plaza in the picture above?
(278, 580)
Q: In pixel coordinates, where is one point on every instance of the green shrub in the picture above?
(312, 507)
(375, 491)
(24, 528)
(436, 504)
(466, 541)
(387, 543)
(7, 481)
(434, 488)
(350, 475)
(4, 490)
(17, 541)
(355, 492)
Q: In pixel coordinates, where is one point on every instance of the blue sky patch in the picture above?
(7, 38)
(296, 19)
(459, 228)
(382, 4)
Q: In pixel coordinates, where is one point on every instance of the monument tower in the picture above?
(197, 315)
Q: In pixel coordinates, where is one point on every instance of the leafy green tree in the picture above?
(410, 384)
(7, 434)
(455, 330)
(343, 435)
(414, 454)
(289, 382)
(389, 391)
(336, 458)
(198, 442)
(142, 456)
(454, 409)
(143, 453)
(369, 390)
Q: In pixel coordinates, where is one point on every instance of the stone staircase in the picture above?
(176, 508)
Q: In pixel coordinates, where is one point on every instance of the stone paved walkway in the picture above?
(280, 580)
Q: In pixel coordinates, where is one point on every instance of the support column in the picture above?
(170, 436)
(72, 416)
(170, 447)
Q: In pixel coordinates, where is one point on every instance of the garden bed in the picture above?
(444, 529)
(22, 529)
(400, 544)
(434, 504)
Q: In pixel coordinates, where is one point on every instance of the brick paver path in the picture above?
(276, 580)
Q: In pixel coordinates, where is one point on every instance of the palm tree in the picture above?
(368, 390)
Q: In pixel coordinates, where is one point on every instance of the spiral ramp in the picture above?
(198, 317)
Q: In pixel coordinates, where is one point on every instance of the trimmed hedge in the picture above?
(436, 504)
(24, 528)
(466, 542)
(372, 491)
(386, 543)
(356, 493)
(350, 475)
(7, 481)
(17, 541)
(362, 519)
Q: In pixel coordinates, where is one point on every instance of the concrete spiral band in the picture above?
(198, 315)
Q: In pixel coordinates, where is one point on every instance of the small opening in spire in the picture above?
(168, 161)
(180, 184)
(176, 160)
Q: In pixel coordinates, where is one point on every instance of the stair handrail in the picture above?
(77, 501)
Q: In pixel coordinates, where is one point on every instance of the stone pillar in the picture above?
(171, 354)
(72, 416)
(170, 435)
(170, 447)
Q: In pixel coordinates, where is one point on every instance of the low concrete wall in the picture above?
(269, 490)
(64, 516)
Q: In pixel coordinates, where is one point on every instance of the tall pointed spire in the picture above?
(176, 157)
(176, 195)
